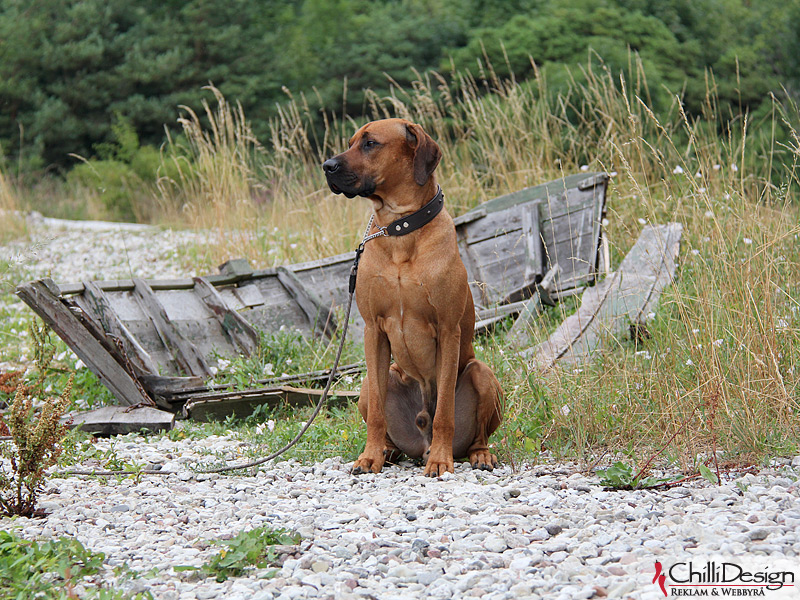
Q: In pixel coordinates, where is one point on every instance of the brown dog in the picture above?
(437, 400)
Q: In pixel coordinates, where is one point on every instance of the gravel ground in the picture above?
(541, 531)
(544, 531)
(71, 251)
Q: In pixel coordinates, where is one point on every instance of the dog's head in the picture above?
(384, 159)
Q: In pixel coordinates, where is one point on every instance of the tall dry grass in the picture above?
(722, 365)
(12, 223)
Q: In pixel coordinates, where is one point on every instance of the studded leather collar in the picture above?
(418, 219)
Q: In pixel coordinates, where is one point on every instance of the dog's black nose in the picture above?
(331, 165)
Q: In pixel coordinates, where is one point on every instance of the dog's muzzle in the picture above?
(343, 181)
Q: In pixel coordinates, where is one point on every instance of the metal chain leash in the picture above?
(352, 288)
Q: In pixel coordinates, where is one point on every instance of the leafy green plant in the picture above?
(621, 476)
(249, 549)
(52, 570)
(80, 449)
(36, 436)
(708, 474)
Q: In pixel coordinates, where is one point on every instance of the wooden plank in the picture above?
(502, 310)
(117, 420)
(495, 225)
(329, 283)
(182, 283)
(184, 352)
(249, 295)
(320, 318)
(609, 309)
(520, 332)
(534, 250)
(531, 262)
(237, 267)
(40, 297)
(568, 231)
(321, 263)
(474, 273)
(96, 303)
(233, 324)
(165, 387)
(216, 406)
(545, 191)
(469, 217)
(490, 316)
(502, 263)
(278, 308)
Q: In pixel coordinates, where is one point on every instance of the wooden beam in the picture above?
(97, 303)
(216, 406)
(184, 352)
(235, 326)
(116, 420)
(42, 297)
(617, 305)
(319, 317)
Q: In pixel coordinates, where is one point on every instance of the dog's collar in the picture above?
(399, 227)
(418, 219)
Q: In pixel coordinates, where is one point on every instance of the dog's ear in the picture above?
(427, 153)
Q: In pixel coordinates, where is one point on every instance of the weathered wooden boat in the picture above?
(150, 341)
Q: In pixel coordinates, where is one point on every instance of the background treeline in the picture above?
(78, 76)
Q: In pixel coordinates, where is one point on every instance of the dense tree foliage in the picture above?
(71, 69)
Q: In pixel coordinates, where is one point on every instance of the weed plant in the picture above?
(59, 569)
(252, 549)
(35, 434)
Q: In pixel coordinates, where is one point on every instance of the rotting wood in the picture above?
(534, 244)
(117, 420)
(184, 351)
(97, 305)
(474, 275)
(320, 318)
(623, 299)
(235, 326)
(519, 334)
(218, 405)
(486, 317)
(43, 297)
(274, 383)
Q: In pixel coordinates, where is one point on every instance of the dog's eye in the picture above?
(370, 143)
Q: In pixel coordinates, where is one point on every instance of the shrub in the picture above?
(112, 182)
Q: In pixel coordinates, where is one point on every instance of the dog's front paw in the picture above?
(438, 464)
(368, 463)
(483, 460)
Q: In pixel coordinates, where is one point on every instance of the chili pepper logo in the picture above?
(661, 578)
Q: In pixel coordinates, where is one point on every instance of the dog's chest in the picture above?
(401, 293)
(401, 302)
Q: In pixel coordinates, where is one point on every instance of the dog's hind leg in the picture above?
(478, 414)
